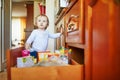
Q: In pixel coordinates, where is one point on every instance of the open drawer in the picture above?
(74, 71)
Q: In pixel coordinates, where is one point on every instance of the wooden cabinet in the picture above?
(75, 23)
(72, 16)
(95, 41)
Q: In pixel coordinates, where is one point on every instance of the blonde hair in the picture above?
(42, 15)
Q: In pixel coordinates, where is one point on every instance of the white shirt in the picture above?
(39, 39)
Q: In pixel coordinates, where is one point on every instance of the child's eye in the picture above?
(44, 21)
(39, 20)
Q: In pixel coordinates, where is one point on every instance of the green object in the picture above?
(24, 60)
(62, 50)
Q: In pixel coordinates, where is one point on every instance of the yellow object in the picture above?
(43, 57)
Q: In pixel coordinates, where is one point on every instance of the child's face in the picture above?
(42, 22)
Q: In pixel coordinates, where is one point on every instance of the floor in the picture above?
(3, 76)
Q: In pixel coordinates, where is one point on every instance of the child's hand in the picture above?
(62, 31)
(27, 46)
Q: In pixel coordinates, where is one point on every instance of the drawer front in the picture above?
(49, 73)
(75, 23)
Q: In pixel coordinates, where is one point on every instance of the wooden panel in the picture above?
(61, 28)
(30, 16)
(101, 53)
(29, 20)
(100, 41)
(58, 45)
(71, 72)
(12, 55)
(75, 17)
(88, 41)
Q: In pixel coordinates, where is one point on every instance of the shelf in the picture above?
(82, 46)
(65, 11)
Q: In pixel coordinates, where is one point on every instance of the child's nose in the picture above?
(41, 23)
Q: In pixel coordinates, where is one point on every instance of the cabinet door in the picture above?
(102, 19)
(75, 23)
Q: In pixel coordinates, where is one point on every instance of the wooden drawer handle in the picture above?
(72, 16)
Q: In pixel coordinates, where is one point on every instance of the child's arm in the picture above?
(27, 46)
(30, 40)
(62, 32)
(56, 35)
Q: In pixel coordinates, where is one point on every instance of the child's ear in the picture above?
(35, 27)
(35, 23)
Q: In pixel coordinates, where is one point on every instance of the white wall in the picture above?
(51, 28)
(19, 9)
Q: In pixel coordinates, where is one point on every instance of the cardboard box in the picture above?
(26, 61)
